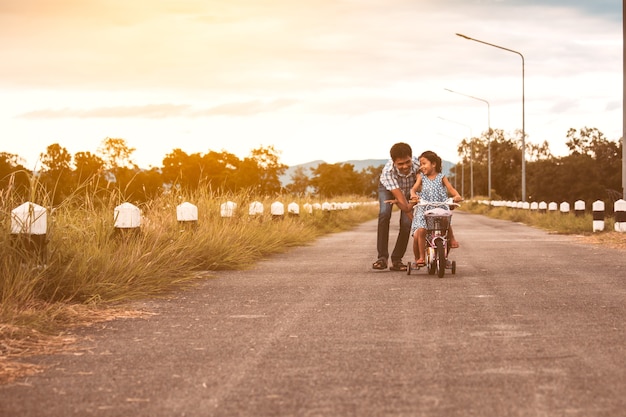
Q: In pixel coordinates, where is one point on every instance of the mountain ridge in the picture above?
(359, 165)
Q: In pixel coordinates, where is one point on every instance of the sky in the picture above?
(330, 80)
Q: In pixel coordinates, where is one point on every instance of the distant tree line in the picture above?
(61, 174)
(592, 171)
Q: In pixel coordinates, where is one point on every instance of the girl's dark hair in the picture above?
(433, 158)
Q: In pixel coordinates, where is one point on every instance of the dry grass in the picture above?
(19, 342)
(567, 224)
(89, 269)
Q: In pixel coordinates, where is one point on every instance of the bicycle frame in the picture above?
(438, 218)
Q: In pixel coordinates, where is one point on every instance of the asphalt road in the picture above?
(532, 324)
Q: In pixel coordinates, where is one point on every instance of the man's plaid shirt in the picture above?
(391, 179)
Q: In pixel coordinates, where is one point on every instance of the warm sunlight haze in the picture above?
(319, 80)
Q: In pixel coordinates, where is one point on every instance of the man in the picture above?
(396, 180)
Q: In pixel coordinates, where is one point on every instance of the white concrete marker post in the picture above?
(598, 215)
(29, 227)
(277, 209)
(127, 219)
(187, 215)
(293, 209)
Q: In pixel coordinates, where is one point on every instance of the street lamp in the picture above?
(523, 110)
(471, 156)
(488, 139)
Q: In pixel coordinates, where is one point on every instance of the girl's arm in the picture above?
(416, 187)
(456, 197)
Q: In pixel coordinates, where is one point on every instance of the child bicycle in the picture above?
(438, 216)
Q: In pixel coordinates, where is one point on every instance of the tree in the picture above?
(116, 154)
(184, 170)
(220, 169)
(14, 177)
(88, 167)
(579, 142)
(270, 169)
(336, 179)
(56, 159)
(146, 185)
(56, 173)
(506, 166)
(248, 176)
(299, 182)
(592, 167)
(535, 152)
(371, 179)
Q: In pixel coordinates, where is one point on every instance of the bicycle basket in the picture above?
(437, 219)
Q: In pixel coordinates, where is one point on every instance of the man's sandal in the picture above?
(398, 266)
(380, 264)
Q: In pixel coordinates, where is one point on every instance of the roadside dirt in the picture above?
(613, 240)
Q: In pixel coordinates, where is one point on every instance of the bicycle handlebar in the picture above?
(448, 203)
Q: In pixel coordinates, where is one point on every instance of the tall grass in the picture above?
(557, 222)
(89, 262)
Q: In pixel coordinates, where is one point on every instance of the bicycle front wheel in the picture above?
(441, 258)
(431, 260)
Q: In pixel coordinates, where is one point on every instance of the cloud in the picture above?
(247, 46)
(162, 111)
(151, 111)
(604, 8)
(613, 105)
(563, 106)
(362, 105)
(245, 108)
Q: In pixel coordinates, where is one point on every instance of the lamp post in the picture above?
(471, 156)
(488, 138)
(624, 102)
(523, 109)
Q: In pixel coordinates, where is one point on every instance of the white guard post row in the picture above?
(619, 210)
(29, 221)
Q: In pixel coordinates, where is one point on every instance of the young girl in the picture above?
(430, 185)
